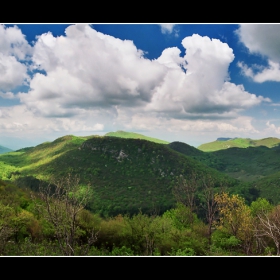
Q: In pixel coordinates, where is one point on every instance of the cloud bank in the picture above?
(86, 70)
(87, 81)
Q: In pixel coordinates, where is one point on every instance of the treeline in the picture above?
(206, 221)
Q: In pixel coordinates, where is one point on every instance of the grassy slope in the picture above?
(27, 160)
(132, 135)
(239, 143)
(126, 174)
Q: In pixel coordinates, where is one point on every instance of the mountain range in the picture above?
(129, 171)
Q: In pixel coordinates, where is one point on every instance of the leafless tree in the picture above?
(60, 203)
(209, 204)
(269, 226)
(185, 189)
(185, 192)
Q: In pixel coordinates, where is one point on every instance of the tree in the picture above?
(146, 234)
(186, 232)
(20, 223)
(198, 189)
(209, 203)
(6, 230)
(181, 216)
(235, 218)
(185, 191)
(260, 206)
(60, 204)
(269, 226)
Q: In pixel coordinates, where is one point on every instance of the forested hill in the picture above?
(125, 174)
(259, 164)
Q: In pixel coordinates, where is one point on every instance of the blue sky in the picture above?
(178, 82)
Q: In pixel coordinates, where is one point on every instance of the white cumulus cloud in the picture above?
(13, 43)
(14, 49)
(87, 69)
(203, 89)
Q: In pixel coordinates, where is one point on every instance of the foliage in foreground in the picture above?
(54, 222)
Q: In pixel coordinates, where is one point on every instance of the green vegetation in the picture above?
(259, 165)
(132, 135)
(269, 187)
(239, 143)
(54, 222)
(130, 196)
(208, 159)
(125, 174)
(250, 163)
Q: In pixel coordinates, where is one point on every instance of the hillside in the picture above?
(269, 187)
(250, 163)
(125, 174)
(259, 165)
(132, 135)
(238, 143)
(245, 164)
(208, 159)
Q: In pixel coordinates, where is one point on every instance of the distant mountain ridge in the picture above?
(225, 138)
(217, 145)
(4, 150)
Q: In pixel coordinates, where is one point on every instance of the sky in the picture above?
(191, 83)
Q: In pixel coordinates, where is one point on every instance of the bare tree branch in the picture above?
(62, 202)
